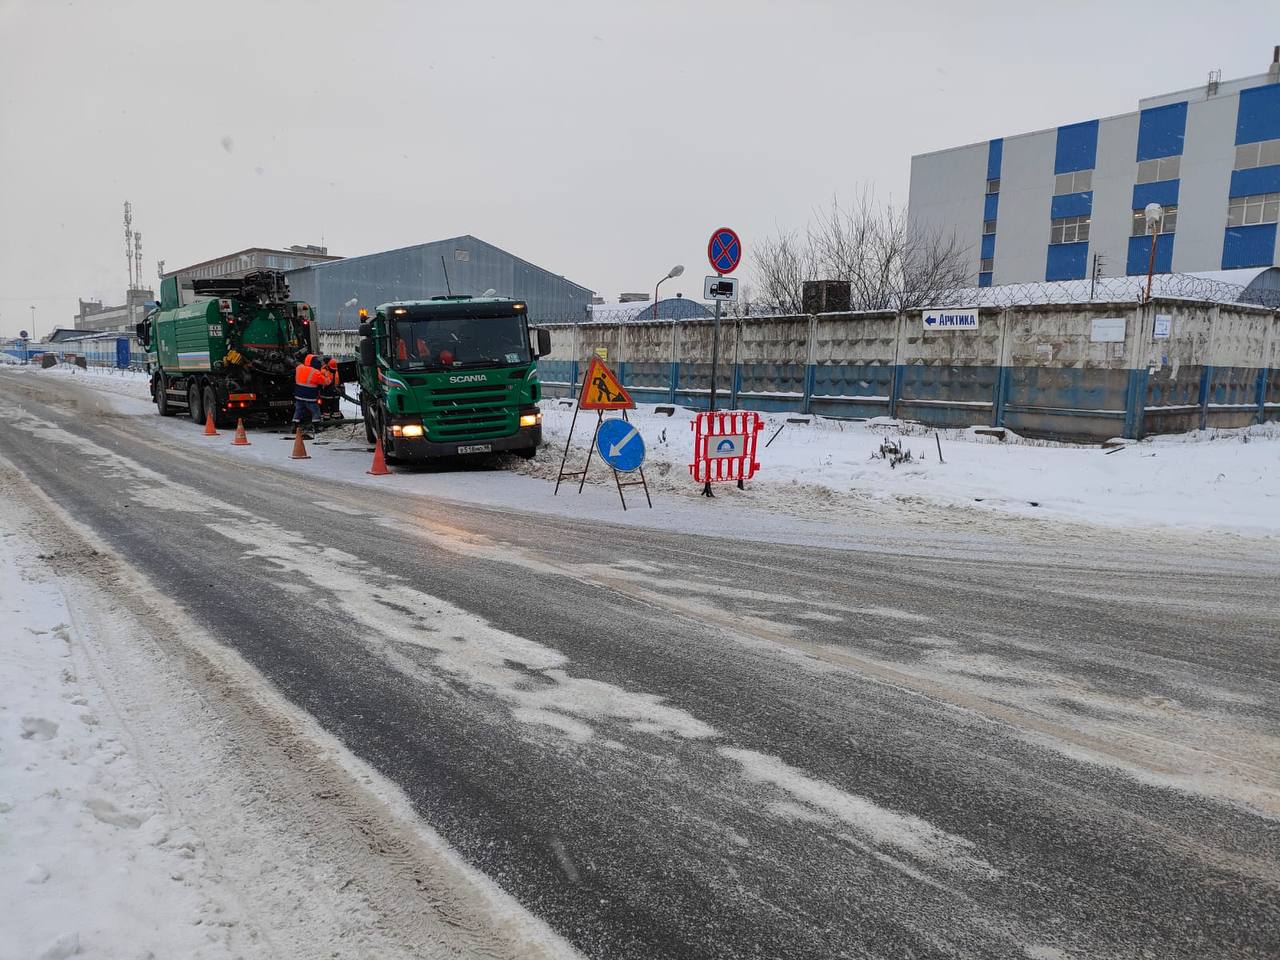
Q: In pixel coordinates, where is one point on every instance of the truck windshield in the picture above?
(459, 342)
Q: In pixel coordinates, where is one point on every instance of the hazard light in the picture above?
(242, 396)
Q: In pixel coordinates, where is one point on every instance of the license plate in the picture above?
(477, 448)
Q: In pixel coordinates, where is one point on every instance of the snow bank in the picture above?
(91, 862)
(1207, 480)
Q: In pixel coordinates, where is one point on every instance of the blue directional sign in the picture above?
(620, 444)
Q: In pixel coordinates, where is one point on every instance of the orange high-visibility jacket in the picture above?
(307, 381)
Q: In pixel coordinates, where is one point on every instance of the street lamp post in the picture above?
(675, 271)
(1154, 214)
(337, 320)
(33, 321)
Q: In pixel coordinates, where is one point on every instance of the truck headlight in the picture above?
(411, 430)
(530, 419)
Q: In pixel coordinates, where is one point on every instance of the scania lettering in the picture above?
(414, 397)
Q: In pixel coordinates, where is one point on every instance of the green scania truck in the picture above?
(451, 376)
(227, 346)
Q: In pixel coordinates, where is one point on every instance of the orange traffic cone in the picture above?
(242, 439)
(379, 468)
(208, 425)
(299, 448)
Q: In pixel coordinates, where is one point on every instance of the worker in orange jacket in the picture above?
(309, 376)
(330, 394)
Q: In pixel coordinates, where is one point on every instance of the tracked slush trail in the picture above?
(672, 746)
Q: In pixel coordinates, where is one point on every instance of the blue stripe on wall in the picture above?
(1164, 193)
(1258, 117)
(989, 206)
(1066, 261)
(984, 279)
(1248, 183)
(1071, 205)
(1140, 255)
(1161, 131)
(1077, 147)
(1249, 246)
(988, 246)
(995, 154)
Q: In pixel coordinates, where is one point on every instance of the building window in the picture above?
(1168, 225)
(1266, 153)
(987, 265)
(1163, 168)
(993, 186)
(1069, 230)
(1260, 208)
(462, 256)
(988, 226)
(1077, 181)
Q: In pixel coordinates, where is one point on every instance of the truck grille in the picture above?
(456, 413)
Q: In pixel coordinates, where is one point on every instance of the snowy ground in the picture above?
(91, 861)
(157, 800)
(825, 471)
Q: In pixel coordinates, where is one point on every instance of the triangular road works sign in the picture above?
(601, 390)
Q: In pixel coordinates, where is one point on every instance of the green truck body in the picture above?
(230, 352)
(451, 376)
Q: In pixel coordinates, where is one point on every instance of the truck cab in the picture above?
(451, 376)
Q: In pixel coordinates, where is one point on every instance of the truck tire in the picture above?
(159, 386)
(194, 408)
(369, 433)
(528, 453)
(211, 404)
(387, 453)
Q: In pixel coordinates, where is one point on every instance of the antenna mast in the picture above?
(128, 239)
(137, 258)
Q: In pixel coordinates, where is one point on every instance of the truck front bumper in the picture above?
(420, 448)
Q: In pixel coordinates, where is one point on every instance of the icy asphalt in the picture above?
(670, 745)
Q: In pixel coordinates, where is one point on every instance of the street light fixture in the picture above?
(675, 271)
(1154, 214)
(33, 322)
(337, 319)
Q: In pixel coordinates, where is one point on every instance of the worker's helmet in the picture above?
(333, 364)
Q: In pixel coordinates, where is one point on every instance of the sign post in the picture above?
(724, 251)
(619, 443)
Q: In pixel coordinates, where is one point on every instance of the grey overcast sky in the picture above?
(602, 140)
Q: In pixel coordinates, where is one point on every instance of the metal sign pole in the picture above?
(591, 449)
(715, 362)
(565, 459)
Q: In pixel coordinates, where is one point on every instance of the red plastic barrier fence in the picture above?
(724, 445)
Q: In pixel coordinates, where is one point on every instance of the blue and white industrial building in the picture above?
(1049, 205)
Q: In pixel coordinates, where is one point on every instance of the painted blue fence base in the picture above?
(1087, 404)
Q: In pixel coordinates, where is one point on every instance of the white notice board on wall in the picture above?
(1107, 330)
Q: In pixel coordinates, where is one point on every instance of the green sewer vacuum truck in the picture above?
(227, 346)
(451, 376)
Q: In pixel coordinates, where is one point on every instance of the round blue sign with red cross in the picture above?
(724, 251)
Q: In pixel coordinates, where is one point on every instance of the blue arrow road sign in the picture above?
(620, 444)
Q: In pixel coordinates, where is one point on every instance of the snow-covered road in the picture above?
(398, 720)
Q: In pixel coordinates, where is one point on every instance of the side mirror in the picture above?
(365, 329)
(367, 352)
(140, 330)
(544, 343)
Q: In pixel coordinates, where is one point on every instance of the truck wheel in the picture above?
(162, 399)
(528, 453)
(193, 403)
(211, 405)
(369, 434)
(386, 439)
